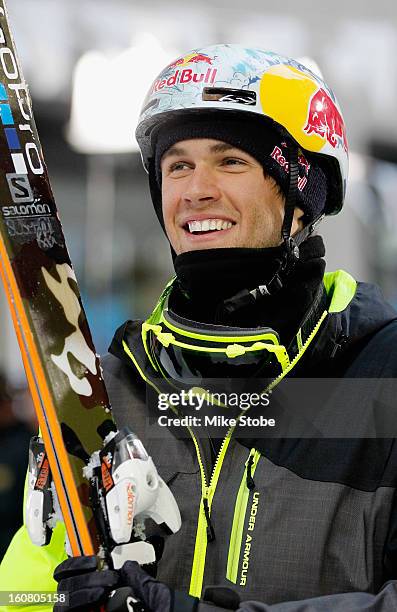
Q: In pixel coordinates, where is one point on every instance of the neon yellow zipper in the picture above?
(240, 510)
(297, 357)
(208, 491)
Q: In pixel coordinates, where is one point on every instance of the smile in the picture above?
(207, 225)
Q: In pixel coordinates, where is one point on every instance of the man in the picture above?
(246, 151)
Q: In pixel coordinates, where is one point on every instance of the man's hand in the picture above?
(84, 583)
(156, 596)
(88, 587)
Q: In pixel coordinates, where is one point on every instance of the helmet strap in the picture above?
(292, 244)
(291, 247)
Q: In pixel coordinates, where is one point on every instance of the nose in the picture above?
(201, 187)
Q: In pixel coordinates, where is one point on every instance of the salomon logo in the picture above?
(28, 210)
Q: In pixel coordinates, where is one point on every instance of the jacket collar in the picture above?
(328, 323)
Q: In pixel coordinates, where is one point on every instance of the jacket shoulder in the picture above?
(378, 357)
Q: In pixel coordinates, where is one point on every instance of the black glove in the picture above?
(156, 596)
(85, 585)
(89, 587)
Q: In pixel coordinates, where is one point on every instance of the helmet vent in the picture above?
(226, 94)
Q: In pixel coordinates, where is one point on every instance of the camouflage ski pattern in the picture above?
(63, 370)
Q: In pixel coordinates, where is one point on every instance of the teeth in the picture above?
(208, 224)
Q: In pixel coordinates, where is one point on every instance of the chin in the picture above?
(209, 245)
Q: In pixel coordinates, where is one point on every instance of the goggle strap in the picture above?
(231, 350)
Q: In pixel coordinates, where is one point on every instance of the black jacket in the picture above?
(301, 523)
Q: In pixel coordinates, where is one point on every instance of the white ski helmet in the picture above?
(235, 79)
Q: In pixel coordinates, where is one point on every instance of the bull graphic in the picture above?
(325, 120)
(192, 58)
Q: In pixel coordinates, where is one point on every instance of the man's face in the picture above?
(217, 196)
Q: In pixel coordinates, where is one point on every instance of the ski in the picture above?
(62, 367)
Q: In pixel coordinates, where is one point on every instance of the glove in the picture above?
(156, 596)
(84, 583)
(88, 587)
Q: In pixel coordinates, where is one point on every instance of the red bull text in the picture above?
(325, 120)
(278, 156)
(185, 76)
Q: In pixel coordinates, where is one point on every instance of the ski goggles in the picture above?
(181, 350)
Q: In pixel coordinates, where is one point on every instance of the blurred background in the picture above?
(89, 64)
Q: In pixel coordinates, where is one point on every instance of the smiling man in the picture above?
(207, 177)
(246, 151)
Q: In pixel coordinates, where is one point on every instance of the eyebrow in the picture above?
(220, 147)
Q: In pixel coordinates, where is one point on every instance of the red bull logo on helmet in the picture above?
(187, 75)
(325, 120)
(191, 58)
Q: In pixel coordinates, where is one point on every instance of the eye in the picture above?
(233, 162)
(178, 166)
